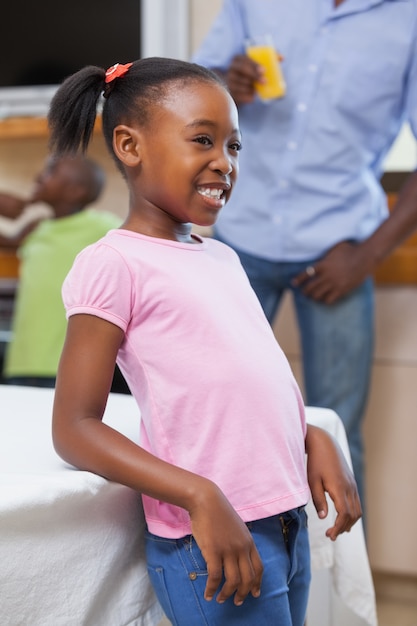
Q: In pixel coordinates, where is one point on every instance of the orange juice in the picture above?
(274, 85)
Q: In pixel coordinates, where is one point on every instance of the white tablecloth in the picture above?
(342, 591)
(71, 551)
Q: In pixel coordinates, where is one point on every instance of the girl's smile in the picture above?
(215, 195)
(187, 161)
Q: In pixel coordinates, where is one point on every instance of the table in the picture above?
(71, 542)
(342, 591)
(71, 549)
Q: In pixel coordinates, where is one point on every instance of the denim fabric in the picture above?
(178, 574)
(337, 345)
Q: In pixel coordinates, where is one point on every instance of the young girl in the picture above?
(221, 465)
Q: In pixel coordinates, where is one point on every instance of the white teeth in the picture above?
(211, 193)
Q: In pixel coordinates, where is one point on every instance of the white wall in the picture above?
(202, 14)
(403, 154)
(165, 28)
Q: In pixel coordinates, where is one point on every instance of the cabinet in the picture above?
(400, 268)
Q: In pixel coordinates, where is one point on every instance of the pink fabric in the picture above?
(216, 393)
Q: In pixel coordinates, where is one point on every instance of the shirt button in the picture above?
(192, 576)
(301, 106)
(312, 68)
(277, 219)
(283, 184)
(292, 145)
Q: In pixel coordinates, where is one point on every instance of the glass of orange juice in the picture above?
(261, 49)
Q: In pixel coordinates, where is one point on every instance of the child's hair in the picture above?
(127, 99)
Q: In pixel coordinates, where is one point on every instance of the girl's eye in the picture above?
(204, 140)
(236, 146)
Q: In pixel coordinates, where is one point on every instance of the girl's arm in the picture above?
(81, 438)
(328, 470)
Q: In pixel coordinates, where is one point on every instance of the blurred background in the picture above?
(53, 44)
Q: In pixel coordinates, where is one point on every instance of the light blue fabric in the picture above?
(311, 162)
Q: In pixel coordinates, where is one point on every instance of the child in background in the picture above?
(63, 187)
(221, 465)
(47, 244)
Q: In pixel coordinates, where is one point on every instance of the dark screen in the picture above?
(44, 41)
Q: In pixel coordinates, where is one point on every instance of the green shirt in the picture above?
(39, 322)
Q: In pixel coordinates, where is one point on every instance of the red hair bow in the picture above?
(116, 70)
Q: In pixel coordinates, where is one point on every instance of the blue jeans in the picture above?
(337, 344)
(178, 574)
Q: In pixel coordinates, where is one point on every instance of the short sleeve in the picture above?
(99, 283)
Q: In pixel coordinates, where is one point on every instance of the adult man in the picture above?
(308, 213)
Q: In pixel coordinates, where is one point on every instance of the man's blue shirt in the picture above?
(311, 162)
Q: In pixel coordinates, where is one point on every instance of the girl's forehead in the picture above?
(185, 88)
(198, 97)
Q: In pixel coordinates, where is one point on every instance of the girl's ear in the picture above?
(127, 145)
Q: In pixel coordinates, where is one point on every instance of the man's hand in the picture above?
(338, 273)
(240, 78)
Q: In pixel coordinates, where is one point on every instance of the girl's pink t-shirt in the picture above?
(216, 393)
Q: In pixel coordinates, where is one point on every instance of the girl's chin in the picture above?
(208, 220)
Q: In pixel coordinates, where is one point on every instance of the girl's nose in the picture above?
(223, 164)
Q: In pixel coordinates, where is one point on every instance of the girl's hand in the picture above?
(227, 547)
(328, 470)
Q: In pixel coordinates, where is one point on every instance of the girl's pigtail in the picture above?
(73, 110)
